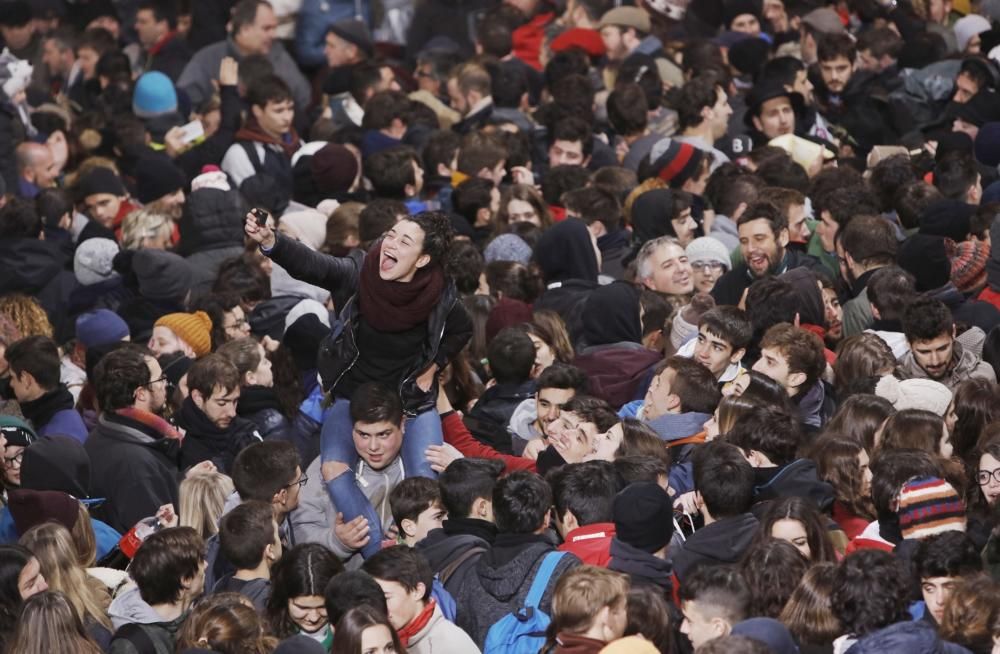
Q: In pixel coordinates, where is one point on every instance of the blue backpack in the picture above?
(523, 631)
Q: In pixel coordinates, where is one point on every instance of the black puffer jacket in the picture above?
(38, 268)
(449, 327)
(211, 231)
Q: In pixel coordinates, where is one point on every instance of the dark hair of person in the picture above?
(165, 559)
(765, 391)
(773, 569)
(244, 278)
(871, 591)
(861, 360)
(390, 171)
(972, 614)
(510, 279)
(694, 384)
(784, 173)
(520, 503)
(352, 625)
(889, 176)
(870, 240)
(808, 614)
(438, 234)
(548, 327)
(837, 464)
(13, 558)
(385, 107)
(802, 350)
(813, 521)
(38, 356)
(637, 467)
(976, 404)
(770, 431)
(465, 481)
(373, 402)
(948, 554)
(913, 429)
(724, 478)
(212, 372)
(893, 468)
(835, 46)
(728, 323)
(266, 90)
(627, 110)
(511, 355)
(216, 305)
(891, 290)
(650, 616)
(721, 587)
(245, 532)
(733, 644)
(261, 470)
(413, 496)
(911, 200)
(587, 490)
(955, 173)
(119, 374)
(302, 571)
(353, 589)
(764, 210)
(403, 565)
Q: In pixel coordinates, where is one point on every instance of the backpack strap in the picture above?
(542, 578)
(135, 634)
(453, 567)
(250, 147)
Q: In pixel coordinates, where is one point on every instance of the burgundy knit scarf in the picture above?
(391, 306)
(252, 131)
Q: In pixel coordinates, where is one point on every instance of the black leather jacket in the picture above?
(448, 330)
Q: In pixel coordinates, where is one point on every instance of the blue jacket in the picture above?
(671, 427)
(315, 18)
(905, 638)
(65, 423)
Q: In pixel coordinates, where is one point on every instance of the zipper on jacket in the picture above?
(444, 325)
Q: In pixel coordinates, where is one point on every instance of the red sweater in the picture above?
(458, 436)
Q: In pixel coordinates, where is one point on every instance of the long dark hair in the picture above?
(13, 558)
(304, 570)
(353, 623)
(806, 513)
(837, 464)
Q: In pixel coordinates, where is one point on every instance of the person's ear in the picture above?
(783, 237)
(480, 508)
(796, 379)
(737, 356)
(757, 125)
(423, 260)
(197, 398)
(280, 497)
(256, 111)
(418, 591)
(483, 215)
(269, 553)
(721, 627)
(408, 527)
(250, 378)
(673, 402)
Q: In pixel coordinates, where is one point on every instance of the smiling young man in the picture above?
(406, 579)
(556, 386)
(934, 352)
(795, 358)
(763, 232)
(213, 430)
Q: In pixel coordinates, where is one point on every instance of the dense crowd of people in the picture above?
(500, 326)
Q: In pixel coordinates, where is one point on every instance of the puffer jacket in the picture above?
(211, 231)
(449, 327)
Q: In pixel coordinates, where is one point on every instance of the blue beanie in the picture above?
(154, 95)
(101, 327)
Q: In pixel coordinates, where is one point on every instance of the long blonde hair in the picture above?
(49, 623)
(202, 498)
(53, 546)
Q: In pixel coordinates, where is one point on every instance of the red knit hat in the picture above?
(968, 265)
(589, 41)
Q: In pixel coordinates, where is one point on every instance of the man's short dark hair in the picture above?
(881, 41)
(377, 218)
(730, 186)
(587, 490)
(693, 384)
(494, 37)
(979, 71)
(690, 100)
(724, 478)
(362, 78)
(351, 589)
(729, 323)
(844, 203)
(950, 554)
(261, 470)
(374, 402)
(571, 130)
(520, 502)
(912, 200)
(890, 175)
(472, 195)
(784, 173)
(783, 70)
(385, 107)
(213, 371)
(770, 431)
(97, 39)
(413, 496)
(164, 560)
(18, 219)
(774, 216)
(511, 355)
(270, 88)
(870, 240)
(926, 318)
(480, 151)
(441, 148)
(834, 46)
(561, 180)
(163, 10)
(891, 290)
(721, 587)
(245, 532)
(802, 349)
(245, 13)
(466, 480)
(403, 565)
(627, 112)
(38, 356)
(562, 376)
(509, 84)
(593, 410)
(954, 174)
(119, 374)
(637, 467)
(391, 170)
(870, 591)
(593, 204)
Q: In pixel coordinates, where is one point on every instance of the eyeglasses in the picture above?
(156, 381)
(300, 483)
(983, 476)
(11, 461)
(713, 266)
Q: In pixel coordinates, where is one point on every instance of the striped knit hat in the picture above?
(675, 162)
(928, 506)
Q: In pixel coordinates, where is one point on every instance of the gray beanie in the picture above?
(92, 261)
(706, 248)
(162, 275)
(508, 247)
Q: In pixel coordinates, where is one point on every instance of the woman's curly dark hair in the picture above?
(438, 234)
(871, 591)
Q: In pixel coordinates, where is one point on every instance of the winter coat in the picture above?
(965, 365)
(458, 539)
(729, 289)
(256, 590)
(211, 231)
(905, 638)
(501, 582)
(129, 609)
(618, 373)
(38, 268)
(204, 441)
(488, 419)
(797, 479)
(641, 566)
(196, 80)
(448, 327)
(170, 57)
(591, 543)
(133, 467)
(260, 406)
(720, 543)
(971, 312)
(439, 636)
(567, 298)
(673, 427)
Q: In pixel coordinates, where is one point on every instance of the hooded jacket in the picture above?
(130, 609)
(501, 581)
(259, 405)
(641, 566)
(522, 425)
(964, 365)
(448, 327)
(722, 542)
(440, 636)
(902, 637)
(38, 268)
(133, 467)
(971, 312)
(457, 538)
(488, 419)
(591, 543)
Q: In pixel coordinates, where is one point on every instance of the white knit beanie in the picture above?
(706, 248)
(925, 394)
(967, 27)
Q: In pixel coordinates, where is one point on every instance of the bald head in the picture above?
(36, 165)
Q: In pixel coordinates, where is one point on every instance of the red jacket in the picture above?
(528, 39)
(991, 296)
(591, 544)
(458, 436)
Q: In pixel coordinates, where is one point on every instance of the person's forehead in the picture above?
(757, 226)
(773, 104)
(669, 252)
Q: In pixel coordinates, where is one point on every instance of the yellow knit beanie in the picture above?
(194, 328)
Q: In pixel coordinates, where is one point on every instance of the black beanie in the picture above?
(731, 9)
(100, 180)
(926, 258)
(948, 218)
(155, 177)
(644, 516)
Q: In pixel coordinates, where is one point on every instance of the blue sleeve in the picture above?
(681, 478)
(105, 536)
(315, 18)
